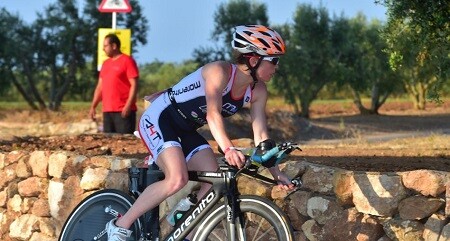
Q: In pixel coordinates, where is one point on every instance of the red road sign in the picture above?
(120, 6)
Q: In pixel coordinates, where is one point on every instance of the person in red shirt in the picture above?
(116, 89)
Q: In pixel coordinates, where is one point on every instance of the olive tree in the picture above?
(306, 65)
(426, 26)
(227, 16)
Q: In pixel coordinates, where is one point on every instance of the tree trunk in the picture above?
(22, 91)
(374, 99)
(53, 84)
(66, 84)
(29, 77)
(305, 109)
(377, 100)
(417, 92)
(296, 109)
(357, 101)
(380, 102)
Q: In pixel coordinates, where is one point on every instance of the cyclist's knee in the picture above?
(174, 184)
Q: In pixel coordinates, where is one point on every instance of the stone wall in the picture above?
(38, 190)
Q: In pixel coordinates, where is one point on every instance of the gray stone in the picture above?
(418, 207)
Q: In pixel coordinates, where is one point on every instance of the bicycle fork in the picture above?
(235, 219)
(236, 224)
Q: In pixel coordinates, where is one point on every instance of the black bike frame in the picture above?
(224, 184)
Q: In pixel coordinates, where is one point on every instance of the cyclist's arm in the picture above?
(259, 125)
(258, 113)
(216, 77)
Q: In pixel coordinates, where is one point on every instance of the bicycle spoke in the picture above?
(255, 228)
(266, 233)
(260, 220)
(98, 236)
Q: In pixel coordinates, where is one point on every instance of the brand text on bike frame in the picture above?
(192, 216)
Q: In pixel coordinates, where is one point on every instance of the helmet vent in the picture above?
(278, 47)
(238, 45)
(265, 33)
(238, 36)
(264, 42)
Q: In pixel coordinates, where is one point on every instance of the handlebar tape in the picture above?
(269, 154)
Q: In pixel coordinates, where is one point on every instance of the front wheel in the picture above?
(88, 220)
(260, 219)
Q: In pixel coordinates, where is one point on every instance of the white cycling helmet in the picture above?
(257, 39)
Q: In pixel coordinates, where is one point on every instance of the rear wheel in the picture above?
(260, 220)
(88, 220)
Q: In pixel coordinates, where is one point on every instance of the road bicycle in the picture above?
(222, 214)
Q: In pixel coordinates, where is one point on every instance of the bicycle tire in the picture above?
(89, 218)
(264, 221)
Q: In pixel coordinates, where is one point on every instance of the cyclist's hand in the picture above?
(235, 158)
(284, 182)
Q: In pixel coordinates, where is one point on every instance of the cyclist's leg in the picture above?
(203, 160)
(172, 162)
(199, 156)
(160, 134)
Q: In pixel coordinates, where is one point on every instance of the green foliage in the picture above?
(360, 62)
(307, 62)
(227, 16)
(55, 58)
(237, 12)
(159, 76)
(6, 21)
(62, 51)
(49, 58)
(18, 62)
(432, 17)
(135, 20)
(204, 55)
(414, 61)
(426, 26)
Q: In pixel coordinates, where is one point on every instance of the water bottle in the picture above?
(181, 208)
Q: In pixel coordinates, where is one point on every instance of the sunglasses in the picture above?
(273, 60)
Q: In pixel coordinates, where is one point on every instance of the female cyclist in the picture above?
(216, 90)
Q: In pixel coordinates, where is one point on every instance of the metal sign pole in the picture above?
(114, 16)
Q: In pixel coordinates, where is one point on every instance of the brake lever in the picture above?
(291, 148)
(289, 145)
